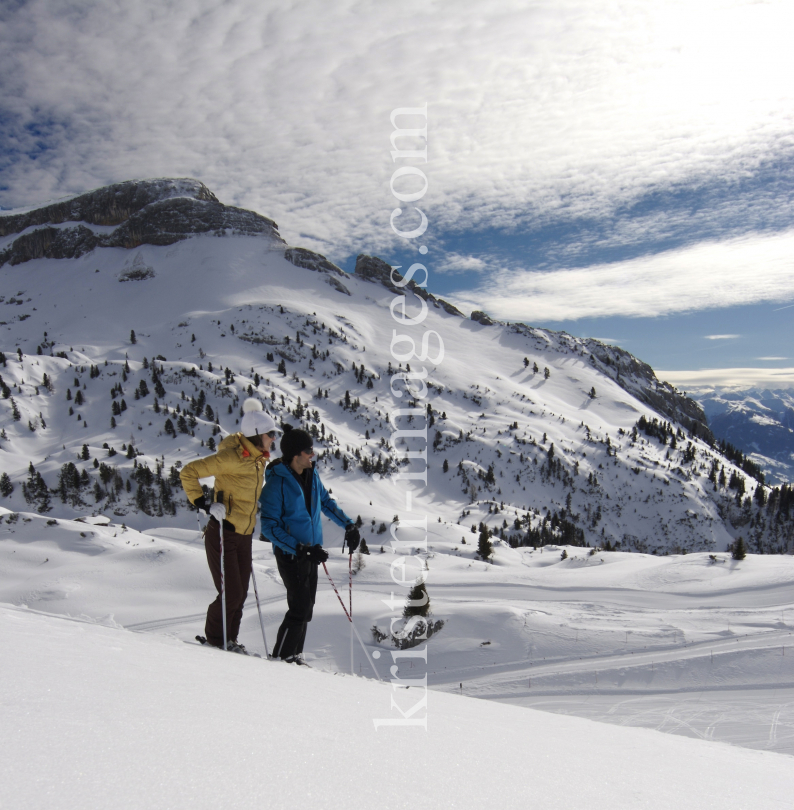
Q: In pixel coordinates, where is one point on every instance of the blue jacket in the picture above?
(284, 517)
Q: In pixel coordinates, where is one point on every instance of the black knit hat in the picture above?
(294, 442)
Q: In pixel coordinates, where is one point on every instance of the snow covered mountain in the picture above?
(137, 317)
(758, 421)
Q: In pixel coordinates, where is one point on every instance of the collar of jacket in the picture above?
(248, 450)
(279, 467)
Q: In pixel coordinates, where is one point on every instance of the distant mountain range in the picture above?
(758, 421)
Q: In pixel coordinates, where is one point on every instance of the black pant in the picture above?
(300, 579)
(237, 570)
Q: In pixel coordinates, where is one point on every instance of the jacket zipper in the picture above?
(251, 519)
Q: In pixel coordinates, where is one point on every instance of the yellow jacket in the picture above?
(239, 470)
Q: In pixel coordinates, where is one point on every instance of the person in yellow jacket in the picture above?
(238, 468)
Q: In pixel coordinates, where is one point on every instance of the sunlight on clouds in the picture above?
(555, 109)
(732, 377)
(455, 263)
(721, 337)
(741, 271)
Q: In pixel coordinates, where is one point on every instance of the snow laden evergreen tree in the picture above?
(358, 562)
(418, 602)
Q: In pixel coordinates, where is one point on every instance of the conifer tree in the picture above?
(484, 545)
(739, 552)
(418, 602)
(6, 487)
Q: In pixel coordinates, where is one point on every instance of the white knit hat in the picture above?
(255, 421)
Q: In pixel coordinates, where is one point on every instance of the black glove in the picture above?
(318, 554)
(201, 504)
(302, 551)
(352, 538)
(263, 538)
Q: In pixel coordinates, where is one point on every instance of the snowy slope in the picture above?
(688, 644)
(683, 643)
(240, 299)
(145, 722)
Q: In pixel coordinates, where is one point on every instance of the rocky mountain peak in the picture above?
(155, 212)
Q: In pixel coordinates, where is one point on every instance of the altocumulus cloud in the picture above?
(456, 263)
(740, 271)
(538, 113)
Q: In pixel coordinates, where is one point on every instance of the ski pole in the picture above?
(353, 626)
(337, 593)
(350, 602)
(259, 610)
(223, 587)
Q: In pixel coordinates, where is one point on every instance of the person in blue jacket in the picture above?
(290, 507)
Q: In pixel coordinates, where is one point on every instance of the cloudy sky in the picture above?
(618, 170)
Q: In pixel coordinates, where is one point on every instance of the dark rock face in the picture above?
(168, 221)
(450, 309)
(51, 243)
(152, 212)
(110, 205)
(337, 285)
(301, 257)
(371, 268)
(481, 317)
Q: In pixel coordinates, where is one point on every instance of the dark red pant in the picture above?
(237, 565)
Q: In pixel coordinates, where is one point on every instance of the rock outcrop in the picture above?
(153, 212)
(371, 268)
(301, 257)
(480, 317)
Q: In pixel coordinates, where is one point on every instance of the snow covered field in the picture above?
(99, 717)
(682, 644)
